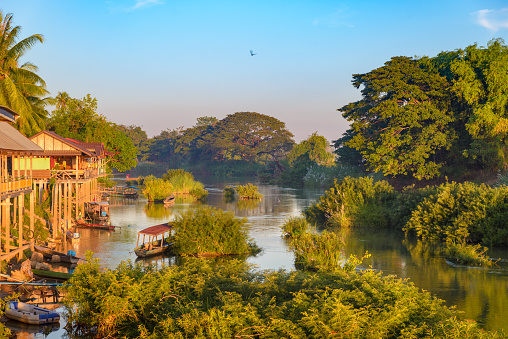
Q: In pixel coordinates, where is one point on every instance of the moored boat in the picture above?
(49, 253)
(30, 314)
(81, 223)
(97, 212)
(52, 274)
(154, 245)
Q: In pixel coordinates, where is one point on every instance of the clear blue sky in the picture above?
(160, 64)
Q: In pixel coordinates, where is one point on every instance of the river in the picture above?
(480, 293)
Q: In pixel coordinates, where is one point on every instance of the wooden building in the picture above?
(75, 166)
(16, 157)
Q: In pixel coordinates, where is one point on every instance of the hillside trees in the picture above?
(426, 117)
(78, 119)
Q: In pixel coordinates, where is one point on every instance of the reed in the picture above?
(156, 189)
(248, 191)
(183, 183)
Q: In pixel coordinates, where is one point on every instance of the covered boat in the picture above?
(96, 213)
(30, 314)
(154, 245)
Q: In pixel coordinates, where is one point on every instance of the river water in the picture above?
(480, 293)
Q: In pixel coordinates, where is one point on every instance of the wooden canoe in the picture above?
(49, 253)
(98, 226)
(30, 314)
(52, 274)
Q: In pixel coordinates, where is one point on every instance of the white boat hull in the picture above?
(30, 314)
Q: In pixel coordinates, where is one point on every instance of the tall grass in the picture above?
(156, 189)
(464, 254)
(318, 252)
(183, 183)
(248, 191)
(295, 227)
(211, 231)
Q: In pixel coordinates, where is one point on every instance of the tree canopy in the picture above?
(426, 117)
(21, 88)
(78, 119)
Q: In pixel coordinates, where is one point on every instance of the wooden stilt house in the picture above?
(16, 157)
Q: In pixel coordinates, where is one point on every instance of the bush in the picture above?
(229, 192)
(465, 212)
(351, 202)
(156, 189)
(467, 254)
(295, 227)
(248, 191)
(210, 231)
(183, 183)
(197, 300)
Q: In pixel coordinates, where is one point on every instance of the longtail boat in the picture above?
(154, 245)
(49, 253)
(83, 223)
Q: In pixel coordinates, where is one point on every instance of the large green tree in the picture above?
(402, 119)
(78, 119)
(21, 88)
(316, 147)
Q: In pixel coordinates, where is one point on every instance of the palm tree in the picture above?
(21, 88)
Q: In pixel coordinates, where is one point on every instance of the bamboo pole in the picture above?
(32, 220)
(21, 203)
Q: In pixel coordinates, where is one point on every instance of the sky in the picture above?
(161, 64)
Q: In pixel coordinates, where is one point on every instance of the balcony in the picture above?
(11, 187)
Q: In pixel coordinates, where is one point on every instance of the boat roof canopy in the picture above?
(157, 229)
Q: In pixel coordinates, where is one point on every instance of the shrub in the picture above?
(197, 300)
(248, 191)
(351, 202)
(317, 252)
(467, 254)
(210, 231)
(156, 189)
(295, 227)
(229, 192)
(183, 183)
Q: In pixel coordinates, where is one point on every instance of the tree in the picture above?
(252, 137)
(139, 139)
(78, 119)
(402, 120)
(317, 148)
(21, 88)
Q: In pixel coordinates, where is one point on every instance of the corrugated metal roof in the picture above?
(12, 140)
(157, 229)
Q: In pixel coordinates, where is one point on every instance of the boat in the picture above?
(97, 212)
(49, 253)
(73, 238)
(169, 200)
(52, 274)
(82, 223)
(154, 245)
(30, 314)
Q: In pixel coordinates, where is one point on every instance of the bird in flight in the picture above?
(252, 53)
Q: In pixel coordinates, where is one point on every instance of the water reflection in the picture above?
(159, 211)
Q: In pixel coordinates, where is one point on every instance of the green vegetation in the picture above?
(78, 119)
(197, 300)
(467, 254)
(317, 251)
(156, 188)
(429, 117)
(211, 231)
(295, 227)
(21, 89)
(450, 213)
(229, 192)
(248, 191)
(183, 183)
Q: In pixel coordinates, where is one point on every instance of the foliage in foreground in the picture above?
(211, 231)
(196, 300)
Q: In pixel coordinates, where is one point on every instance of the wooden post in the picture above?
(21, 203)
(7, 222)
(32, 220)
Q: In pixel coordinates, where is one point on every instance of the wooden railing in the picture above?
(15, 184)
